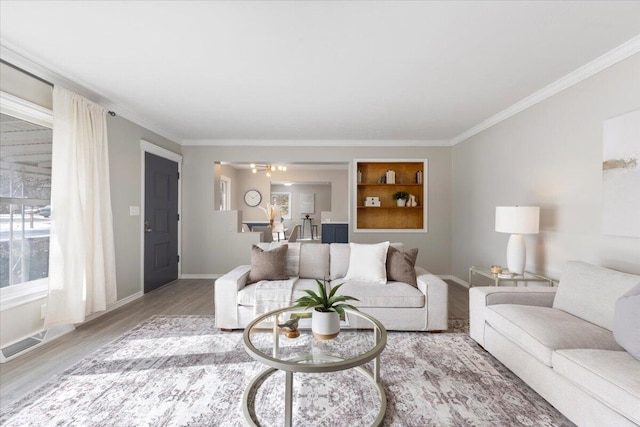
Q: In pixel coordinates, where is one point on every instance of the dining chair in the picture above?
(294, 234)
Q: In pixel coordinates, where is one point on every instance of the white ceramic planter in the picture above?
(325, 325)
(401, 203)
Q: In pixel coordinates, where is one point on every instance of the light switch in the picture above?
(134, 210)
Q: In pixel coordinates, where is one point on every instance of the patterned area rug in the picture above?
(180, 371)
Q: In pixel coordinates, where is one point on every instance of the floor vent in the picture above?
(24, 345)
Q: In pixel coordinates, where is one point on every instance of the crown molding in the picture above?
(315, 142)
(625, 50)
(15, 56)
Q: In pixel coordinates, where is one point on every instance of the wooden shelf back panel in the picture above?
(381, 218)
(385, 193)
(405, 171)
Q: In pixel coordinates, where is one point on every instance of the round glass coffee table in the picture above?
(361, 340)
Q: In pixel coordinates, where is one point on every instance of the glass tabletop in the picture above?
(361, 339)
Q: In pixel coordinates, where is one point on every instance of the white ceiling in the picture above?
(315, 70)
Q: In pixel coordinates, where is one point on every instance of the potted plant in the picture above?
(327, 309)
(401, 198)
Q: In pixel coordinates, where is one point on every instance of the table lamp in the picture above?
(517, 220)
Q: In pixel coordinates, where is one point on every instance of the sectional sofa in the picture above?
(565, 342)
(398, 305)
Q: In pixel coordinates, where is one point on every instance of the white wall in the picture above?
(200, 250)
(549, 155)
(125, 174)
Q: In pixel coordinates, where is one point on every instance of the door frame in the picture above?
(148, 147)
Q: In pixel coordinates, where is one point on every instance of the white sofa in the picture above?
(398, 305)
(560, 342)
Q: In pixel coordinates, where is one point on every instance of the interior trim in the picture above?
(13, 55)
(610, 58)
(316, 142)
(148, 147)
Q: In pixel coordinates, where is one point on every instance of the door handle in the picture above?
(147, 229)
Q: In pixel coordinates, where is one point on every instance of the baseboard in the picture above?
(201, 276)
(31, 342)
(114, 306)
(454, 279)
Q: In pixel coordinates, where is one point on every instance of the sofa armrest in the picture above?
(436, 293)
(483, 296)
(226, 296)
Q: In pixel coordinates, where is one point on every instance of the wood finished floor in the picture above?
(183, 297)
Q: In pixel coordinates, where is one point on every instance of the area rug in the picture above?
(181, 371)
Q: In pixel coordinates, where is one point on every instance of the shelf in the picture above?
(389, 216)
(390, 185)
(389, 207)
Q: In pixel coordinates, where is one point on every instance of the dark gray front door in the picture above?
(161, 222)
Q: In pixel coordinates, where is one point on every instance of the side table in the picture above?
(526, 277)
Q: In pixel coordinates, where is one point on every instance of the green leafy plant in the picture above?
(398, 195)
(325, 301)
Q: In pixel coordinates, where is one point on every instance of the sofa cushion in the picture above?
(339, 258)
(590, 292)
(392, 294)
(367, 262)
(613, 377)
(293, 255)
(314, 261)
(626, 321)
(401, 265)
(246, 295)
(541, 330)
(268, 265)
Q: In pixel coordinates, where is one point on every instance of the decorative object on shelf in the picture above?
(252, 198)
(517, 220)
(359, 177)
(268, 168)
(496, 269)
(372, 202)
(401, 198)
(390, 177)
(272, 212)
(419, 177)
(327, 307)
(290, 327)
(412, 201)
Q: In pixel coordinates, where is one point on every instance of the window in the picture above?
(25, 195)
(282, 200)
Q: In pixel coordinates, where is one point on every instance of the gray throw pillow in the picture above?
(626, 321)
(268, 265)
(401, 265)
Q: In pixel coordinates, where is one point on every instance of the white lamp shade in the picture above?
(518, 219)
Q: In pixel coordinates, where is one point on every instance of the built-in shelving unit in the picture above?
(368, 176)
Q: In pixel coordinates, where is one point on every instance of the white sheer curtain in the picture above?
(82, 277)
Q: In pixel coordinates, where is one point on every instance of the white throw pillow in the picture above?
(367, 263)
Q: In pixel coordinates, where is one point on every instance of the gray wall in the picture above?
(549, 155)
(201, 255)
(322, 202)
(125, 175)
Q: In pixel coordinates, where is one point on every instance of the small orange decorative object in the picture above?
(292, 334)
(496, 269)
